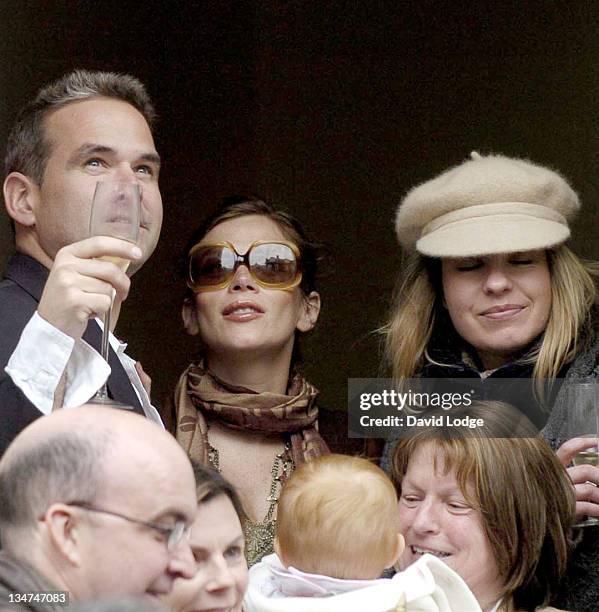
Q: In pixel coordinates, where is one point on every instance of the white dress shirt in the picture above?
(41, 356)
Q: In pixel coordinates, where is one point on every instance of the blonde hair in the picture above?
(337, 516)
(418, 307)
(523, 493)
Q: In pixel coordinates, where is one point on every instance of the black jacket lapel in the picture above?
(31, 276)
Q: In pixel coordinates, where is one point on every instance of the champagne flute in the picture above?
(115, 212)
(583, 422)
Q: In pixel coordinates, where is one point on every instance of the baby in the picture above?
(337, 531)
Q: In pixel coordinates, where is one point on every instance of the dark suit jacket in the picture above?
(20, 292)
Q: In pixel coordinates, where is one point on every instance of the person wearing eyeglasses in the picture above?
(96, 502)
(244, 407)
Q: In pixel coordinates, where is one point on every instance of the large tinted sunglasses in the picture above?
(272, 264)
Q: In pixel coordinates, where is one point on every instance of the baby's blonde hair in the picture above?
(337, 516)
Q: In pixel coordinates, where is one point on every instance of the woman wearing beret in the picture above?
(490, 290)
(243, 406)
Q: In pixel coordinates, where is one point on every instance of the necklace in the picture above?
(259, 537)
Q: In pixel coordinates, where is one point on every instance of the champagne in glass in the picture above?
(589, 456)
(115, 212)
(121, 262)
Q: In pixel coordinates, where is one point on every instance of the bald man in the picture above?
(95, 502)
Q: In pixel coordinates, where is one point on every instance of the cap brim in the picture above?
(490, 235)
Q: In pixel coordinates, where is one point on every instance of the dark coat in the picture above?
(580, 588)
(18, 578)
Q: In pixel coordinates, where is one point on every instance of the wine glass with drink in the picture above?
(115, 212)
(583, 422)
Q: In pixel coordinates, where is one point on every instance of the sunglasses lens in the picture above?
(273, 263)
(211, 266)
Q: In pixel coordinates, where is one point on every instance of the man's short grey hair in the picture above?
(27, 150)
(65, 467)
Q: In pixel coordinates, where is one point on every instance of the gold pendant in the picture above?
(259, 540)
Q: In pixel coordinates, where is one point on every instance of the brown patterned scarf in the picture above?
(201, 393)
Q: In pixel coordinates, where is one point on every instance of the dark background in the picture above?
(331, 110)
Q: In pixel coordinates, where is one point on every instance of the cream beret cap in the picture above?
(490, 204)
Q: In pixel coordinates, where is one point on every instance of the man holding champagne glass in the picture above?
(84, 129)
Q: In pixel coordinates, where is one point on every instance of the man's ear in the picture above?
(189, 316)
(309, 313)
(63, 531)
(21, 198)
(399, 548)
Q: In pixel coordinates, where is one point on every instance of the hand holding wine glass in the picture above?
(77, 286)
(582, 448)
(116, 213)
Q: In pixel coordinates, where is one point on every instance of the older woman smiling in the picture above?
(496, 509)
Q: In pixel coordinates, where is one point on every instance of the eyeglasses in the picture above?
(173, 534)
(273, 265)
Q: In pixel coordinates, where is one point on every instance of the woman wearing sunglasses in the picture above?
(244, 407)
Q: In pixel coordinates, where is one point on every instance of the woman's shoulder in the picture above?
(586, 363)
